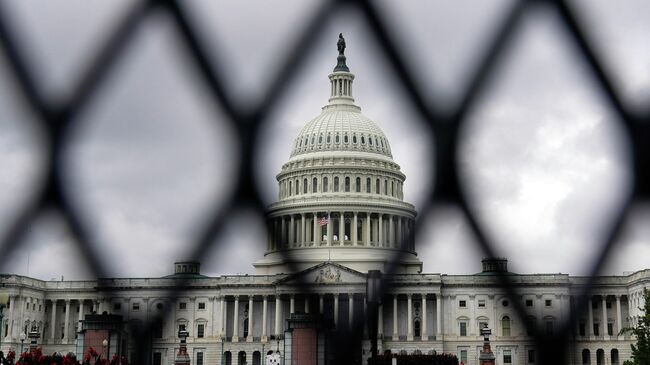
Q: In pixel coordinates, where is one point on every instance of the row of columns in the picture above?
(409, 318)
(374, 229)
(590, 316)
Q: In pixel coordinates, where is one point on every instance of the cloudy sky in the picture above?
(543, 158)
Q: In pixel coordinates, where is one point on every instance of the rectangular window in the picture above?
(182, 305)
(548, 302)
(157, 358)
(200, 330)
(136, 306)
(529, 302)
(549, 327)
(201, 305)
(158, 329)
(610, 329)
(481, 303)
(530, 326)
(531, 356)
(462, 303)
(507, 357)
(596, 331)
(463, 329)
(27, 306)
(463, 356)
(199, 358)
(582, 329)
(34, 307)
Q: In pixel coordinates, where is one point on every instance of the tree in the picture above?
(641, 351)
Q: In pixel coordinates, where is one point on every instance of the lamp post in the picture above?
(22, 341)
(105, 344)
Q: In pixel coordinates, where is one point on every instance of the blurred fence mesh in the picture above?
(57, 120)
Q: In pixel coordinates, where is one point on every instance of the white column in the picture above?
(380, 320)
(395, 333)
(391, 232)
(303, 231)
(81, 314)
(380, 236)
(355, 241)
(618, 314)
(292, 304)
(438, 317)
(250, 319)
(320, 303)
(315, 230)
(66, 324)
(424, 335)
(400, 236)
(409, 324)
(590, 330)
(222, 321)
(341, 228)
(278, 304)
(53, 322)
(367, 239)
(604, 320)
(235, 320)
(330, 228)
(306, 304)
(351, 310)
(10, 320)
(264, 309)
(283, 233)
(292, 231)
(336, 310)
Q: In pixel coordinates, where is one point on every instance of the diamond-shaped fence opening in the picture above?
(58, 119)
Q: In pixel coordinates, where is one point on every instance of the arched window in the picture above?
(257, 358)
(600, 357)
(614, 359)
(368, 185)
(336, 184)
(241, 358)
(245, 327)
(385, 187)
(586, 357)
(345, 138)
(347, 184)
(227, 357)
(338, 139)
(296, 187)
(290, 188)
(358, 185)
(354, 138)
(392, 188)
(377, 186)
(325, 185)
(370, 140)
(363, 140)
(304, 186)
(329, 137)
(313, 139)
(314, 185)
(505, 326)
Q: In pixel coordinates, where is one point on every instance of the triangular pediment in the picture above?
(325, 273)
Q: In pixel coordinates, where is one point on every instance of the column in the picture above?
(380, 236)
(400, 236)
(292, 231)
(355, 241)
(306, 303)
(439, 317)
(590, 330)
(380, 321)
(283, 233)
(329, 226)
(423, 326)
(222, 322)
(303, 232)
(10, 320)
(250, 319)
(264, 309)
(395, 333)
(315, 231)
(81, 314)
(213, 318)
(278, 304)
(409, 318)
(292, 304)
(351, 310)
(367, 239)
(320, 303)
(472, 315)
(336, 310)
(341, 228)
(235, 319)
(66, 324)
(604, 320)
(53, 321)
(391, 232)
(618, 314)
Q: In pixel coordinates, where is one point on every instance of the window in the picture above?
(370, 140)
(320, 139)
(27, 306)
(368, 185)
(337, 138)
(345, 138)
(531, 356)
(157, 358)
(34, 307)
(531, 323)
(314, 185)
(463, 356)
(608, 305)
(200, 330)
(385, 187)
(336, 184)
(610, 329)
(416, 328)
(347, 184)
(549, 327)
(358, 185)
(505, 326)
(245, 327)
(481, 303)
(199, 358)
(201, 305)
(296, 187)
(304, 186)
(329, 138)
(182, 305)
(481, 325)
(581, 329)
(325, 185)
(507, 357)
(116, 306)
(158, 329)
(290, 190)
(548, 302)
(596, 331)
(462, 303)
(463, 328)
(181, 327)
(363, 140)
(529, 302)
(136, 306)
(377, 187)
(354, 138)
(505, 303)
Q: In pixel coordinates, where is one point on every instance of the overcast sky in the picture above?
(543, 158)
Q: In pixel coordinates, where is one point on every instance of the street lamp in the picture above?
(22, 341)
(105, 344)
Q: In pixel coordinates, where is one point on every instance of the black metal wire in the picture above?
(57, 122)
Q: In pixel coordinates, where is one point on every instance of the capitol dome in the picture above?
(340, 194)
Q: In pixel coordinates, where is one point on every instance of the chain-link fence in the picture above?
(56, 120)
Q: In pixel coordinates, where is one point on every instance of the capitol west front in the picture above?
(340, 213)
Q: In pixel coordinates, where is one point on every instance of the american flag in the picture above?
(323, 221)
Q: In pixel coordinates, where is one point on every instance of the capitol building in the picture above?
(340, 214)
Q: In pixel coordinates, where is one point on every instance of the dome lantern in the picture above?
(341, 79)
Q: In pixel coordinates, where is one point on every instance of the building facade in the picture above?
(340, 213)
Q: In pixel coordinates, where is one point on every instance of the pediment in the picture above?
(324, 274)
